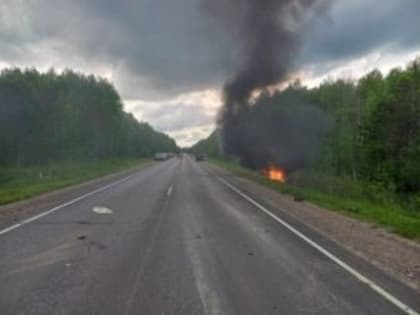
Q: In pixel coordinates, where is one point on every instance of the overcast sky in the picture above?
(169, 60)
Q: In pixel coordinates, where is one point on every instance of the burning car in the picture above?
(275, 173)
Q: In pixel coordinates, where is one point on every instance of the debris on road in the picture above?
(102, 210)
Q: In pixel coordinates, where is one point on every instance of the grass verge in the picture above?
(390, 215)
(21, 183)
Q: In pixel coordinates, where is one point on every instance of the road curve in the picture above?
(174, 239)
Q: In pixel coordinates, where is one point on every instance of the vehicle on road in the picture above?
(162, 156)
(200, 157)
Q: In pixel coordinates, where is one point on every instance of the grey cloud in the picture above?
(169, 118)
(355, 28)
(159, 48)
(169, 44)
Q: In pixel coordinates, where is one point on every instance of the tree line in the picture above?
(374, 136)
(51, 118)
(376, 131)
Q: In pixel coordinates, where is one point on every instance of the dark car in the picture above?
(200, 157)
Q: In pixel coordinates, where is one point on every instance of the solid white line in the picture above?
(385, 294)
(169, 191)
(63, 205)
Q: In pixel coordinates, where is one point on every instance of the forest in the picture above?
(49, 118)
(373, 142)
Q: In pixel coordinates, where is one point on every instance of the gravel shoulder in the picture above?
(395, 255)
(18, 211)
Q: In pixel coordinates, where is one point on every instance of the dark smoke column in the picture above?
(268, 33)
(268, 43)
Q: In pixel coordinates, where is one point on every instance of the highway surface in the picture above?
(175, 238)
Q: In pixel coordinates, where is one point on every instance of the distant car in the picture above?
(160, 156)
(200, 157)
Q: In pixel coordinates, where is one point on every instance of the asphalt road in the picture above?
(174, 239)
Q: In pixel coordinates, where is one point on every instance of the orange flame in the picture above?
(275, 174)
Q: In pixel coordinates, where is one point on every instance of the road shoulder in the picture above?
(18, 211)
(395, 255)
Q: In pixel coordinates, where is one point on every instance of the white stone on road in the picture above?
(102, 210)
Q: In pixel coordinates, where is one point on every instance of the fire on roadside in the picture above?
(275, 173)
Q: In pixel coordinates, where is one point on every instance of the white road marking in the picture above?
(169, 191)
(102, 210)
(63, 205)
(385, 294)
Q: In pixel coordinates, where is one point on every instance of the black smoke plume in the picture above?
(267, 33)
(280, 129)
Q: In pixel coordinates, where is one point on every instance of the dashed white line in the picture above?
(385, 294)
(63, 205)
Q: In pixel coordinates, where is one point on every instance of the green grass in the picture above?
(21, 183)
(389, 215)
